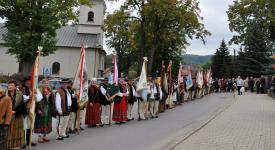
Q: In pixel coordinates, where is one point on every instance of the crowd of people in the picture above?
(15, 124)
(251, 84)
(63, 104)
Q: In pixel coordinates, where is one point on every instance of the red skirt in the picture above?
(120, 111)
(93, 114)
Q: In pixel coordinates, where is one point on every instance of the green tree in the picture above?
(221, 62)
(255, 59)
(162, 29)
(244, 13)
(118, 33)
(171, 23)
(33, 23)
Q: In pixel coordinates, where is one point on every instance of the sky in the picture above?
(215, 21)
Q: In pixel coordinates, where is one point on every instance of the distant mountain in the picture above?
(195, 60)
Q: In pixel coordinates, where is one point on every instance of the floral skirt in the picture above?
(16, 135)
(120, 111)
(93, 114)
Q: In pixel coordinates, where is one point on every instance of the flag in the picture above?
(189, 81)
(169, 72)
(81, 79)
(209, 76)
(34, 87)
(199, 79)
(180, 77)
(164, 79)
(142, 83)
(115, 70)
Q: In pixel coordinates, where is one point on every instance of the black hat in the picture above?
(65, 80)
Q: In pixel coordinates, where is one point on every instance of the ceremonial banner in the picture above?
(189, 81)
(180, 77)
(115, 70)
(169, 72)
(209, 77)
(142, 83)
(113, 88)
(81, 80)
(34, 87)
(199, 79)
(164, 79)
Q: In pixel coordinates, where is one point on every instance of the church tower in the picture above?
(91, 20)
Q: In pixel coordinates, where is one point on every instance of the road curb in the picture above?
(189, 131)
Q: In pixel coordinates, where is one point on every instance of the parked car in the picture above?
(54, 84)
(4, 86)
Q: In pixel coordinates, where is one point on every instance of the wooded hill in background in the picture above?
(195, 60)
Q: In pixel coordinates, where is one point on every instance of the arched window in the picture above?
(56, 68)
(91, 16)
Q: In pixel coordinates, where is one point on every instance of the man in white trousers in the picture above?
(63, 102)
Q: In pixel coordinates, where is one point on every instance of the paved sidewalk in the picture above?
(249, 124)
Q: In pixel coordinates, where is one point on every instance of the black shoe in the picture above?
(133, 119)
(118, 123)
(60, 138)
(34, 144)
(94, 126)
(157, 116)
(67, 136)
(152, 117)
(23, 147)
(102, 125)
(71, 131)
(82, 129)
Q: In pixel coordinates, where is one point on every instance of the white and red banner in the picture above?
(81, 78)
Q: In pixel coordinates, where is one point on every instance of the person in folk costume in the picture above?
(104, 102)
(205, 87)
(163, 85)
(223, 85)
(24, 88)
(155, 93)
(120, 104)
(5, 118)
(163, 99)
(16, 135)
(93, 108)
(63, 103)
(27, 120)
(71, 129)
(44, 109)
(131, 98)
(175, 91)
(182, 89)
(142, 111)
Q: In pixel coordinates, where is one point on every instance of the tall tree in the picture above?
(255, 59)
(244, 13)
(172, 22)
(221, 62)
(33, 23)
(118, 34)
(163, 28)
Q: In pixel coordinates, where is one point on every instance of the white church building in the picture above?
(64, 61)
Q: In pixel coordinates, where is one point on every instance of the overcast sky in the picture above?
(215, 20)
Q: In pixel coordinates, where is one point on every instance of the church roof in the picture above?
(67, 36)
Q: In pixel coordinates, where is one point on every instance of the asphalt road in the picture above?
(153, 134)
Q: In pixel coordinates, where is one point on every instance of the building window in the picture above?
(91, 16)
(56, 68)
